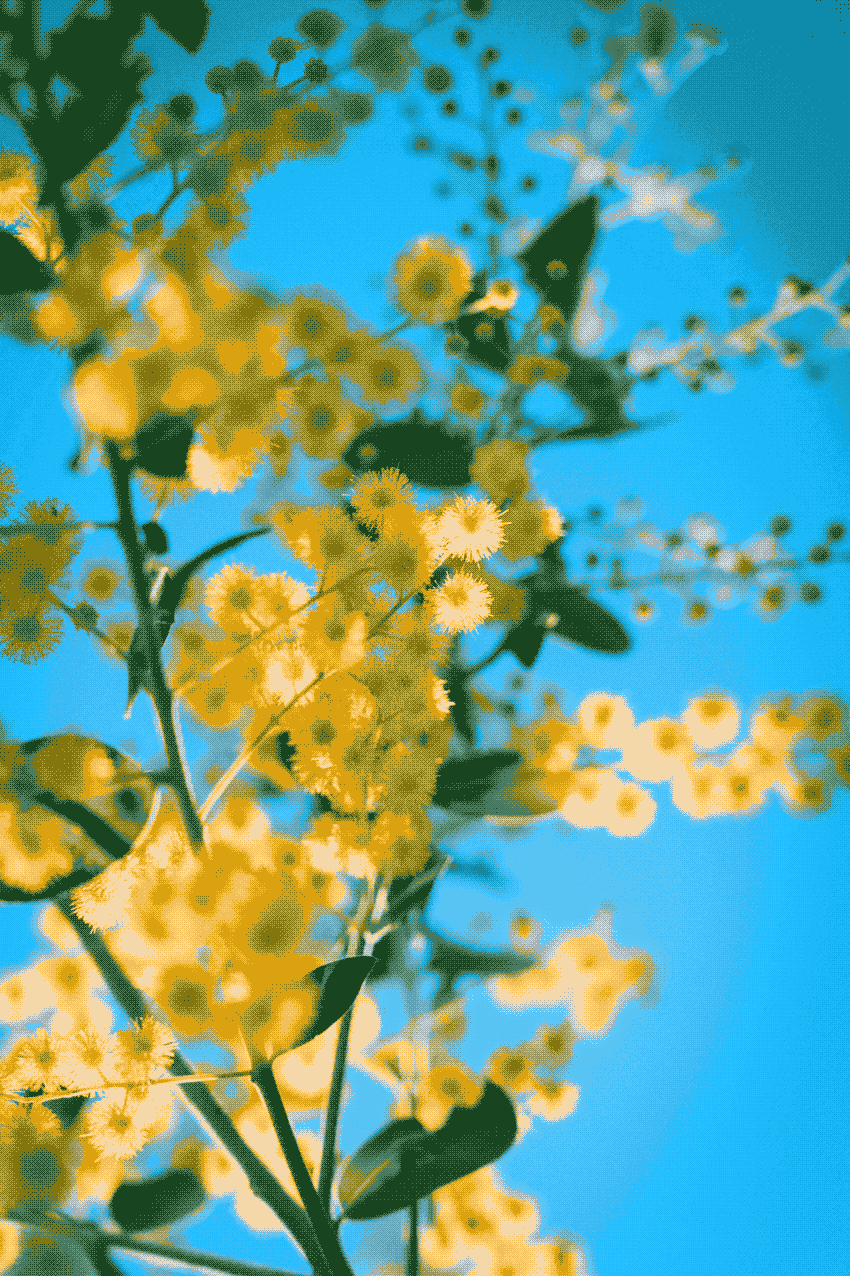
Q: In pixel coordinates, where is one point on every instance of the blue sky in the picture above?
(710, 1136)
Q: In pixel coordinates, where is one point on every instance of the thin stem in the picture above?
(263, 1079)
(213, 1116)
(50, 1096)
(90, 1235)
(70, 612)
(412, 1266)
(356, 948)
(157, 686)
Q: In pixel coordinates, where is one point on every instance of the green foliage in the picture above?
(427, 453)
(337, 985)
(157, 1202)
(404, 1161)
(463, 780)
(19, 270)
(568, 240)
(495, 353)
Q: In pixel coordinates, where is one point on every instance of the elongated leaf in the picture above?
(427, 453)
(416, 894)
(525, 641)
(452, 959)
(568, 239)
(98, 800)
(462, 780)
(337, 984)
(460, 710)
(405, 1162)
(19, 270)
(186, 22)
(494, 353)
(580, 619)
(162, 449)
(158, 1202)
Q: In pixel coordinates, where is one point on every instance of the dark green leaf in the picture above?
(416, 894)
(156, 541)
(460, 710)
(185, 22)
(580, 619)
(467, 779)
(452, 959)
(162, 449)
(426, 453)
(118, 800)
(525, 641)
(137, 1207)
(405, 1162)
(493, 354)
(568, 239)
(382, 955)
(337, 985)
(19, 270)
(657, 31)
(67, 1110)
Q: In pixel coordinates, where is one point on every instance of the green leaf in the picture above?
(525, 641)
(567, 239)
(467, 779)
(493, 354)
(415, 895)
(460, 710)
(337, 985)
(426, 453)
(657, 31)
(158, 1202)
(185, 22)
(102, 793)
(162, 449)
(19, 270)
(405, 1162)
(522, 795)
(382, 955)
(580, 619)
(452, 960)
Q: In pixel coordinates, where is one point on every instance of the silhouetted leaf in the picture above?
(162, 449)
(452, 959)
(416, 894)
(185, 22)
(567, 239)
(404, 1161)
(467, 779)
(67, 1110)
(102, 793)
(459, 696)
(158, 1202)
(426, 453)
(382, 955)
(156, 541)
(494, 353)
(525, 640)
(19, 270)
(337, 985)
(580, 619)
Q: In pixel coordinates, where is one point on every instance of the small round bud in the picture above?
(501, 88)
(643, 611)
(528, 183)
(283, 49)
(182, 107)
(835, 531)
(465, 228)
(490, 55)
(819, 553)
(513, 116)
(220, 79)
(736, 297)
(696, 612)
(673, 541)
(693, 323)
(321, 27)
(247, 73)
(772, 599)
(449, 108)
(456, 343)
(437, 79)
(592, 560)
(315, 71)
(780, 525)
(711, 551)
(85, 617)
(475, 7)
(491, 163)
(461, 36)
(354, 107)
(147, 230)
(809, 593)
(792, 287)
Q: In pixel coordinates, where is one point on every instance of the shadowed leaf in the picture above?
(494, 353)
(426, 453)
(404, 1161)
(461, 780)
(568, 239)
(337, 985)
(19, 270)
(137, 1207)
